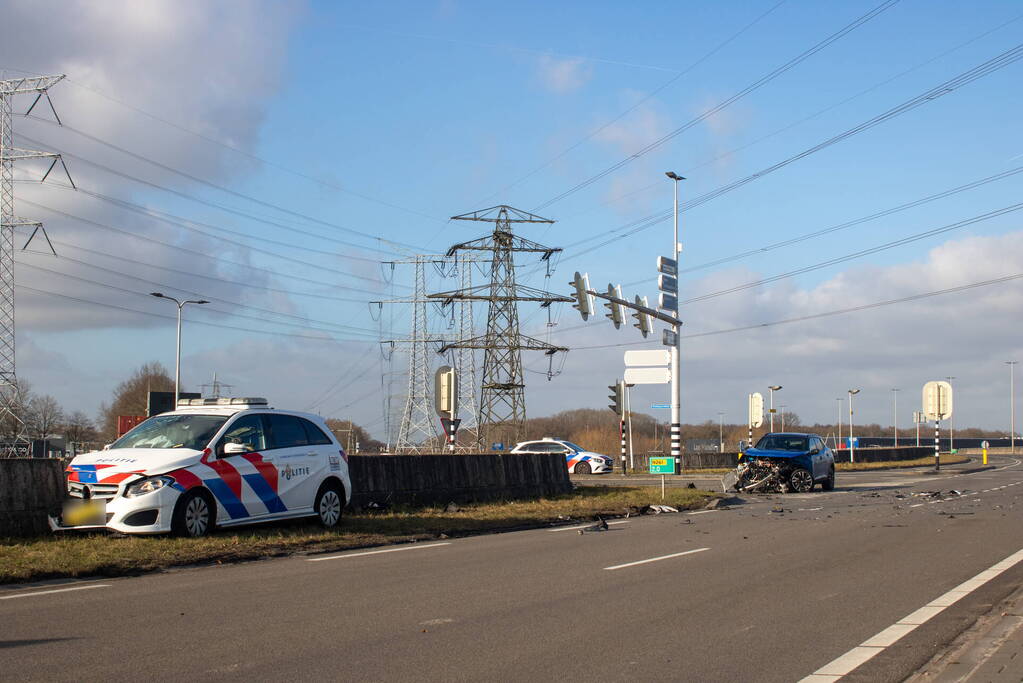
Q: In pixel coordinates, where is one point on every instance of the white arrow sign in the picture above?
(647, 357)
(647, 375)
(756, 409)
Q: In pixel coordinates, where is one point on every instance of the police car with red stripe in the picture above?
(210, 463)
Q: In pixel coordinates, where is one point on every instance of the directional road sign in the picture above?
(639, 358)
(647, 375)
(756, 409)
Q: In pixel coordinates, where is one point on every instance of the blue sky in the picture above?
(339, 135)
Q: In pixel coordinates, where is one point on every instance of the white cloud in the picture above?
(563, 75)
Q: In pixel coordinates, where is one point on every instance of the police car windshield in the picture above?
(778, 442)
(173, 431)
(573, 446)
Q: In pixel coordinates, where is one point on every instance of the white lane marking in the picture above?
(584, 526)
(375, 552)
(834, 670)
(55, 590)
(655, 559)
(700, 512)
(917, 505)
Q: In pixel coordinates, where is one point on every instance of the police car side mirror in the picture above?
(236, 448)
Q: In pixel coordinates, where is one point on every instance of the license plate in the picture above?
(85, 512)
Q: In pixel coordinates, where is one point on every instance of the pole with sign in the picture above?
(445, 402)
(937, 406)
(756, 414)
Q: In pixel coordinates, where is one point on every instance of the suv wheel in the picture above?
(194, 515)
(800, 481)
(328, 505)
(829, 483)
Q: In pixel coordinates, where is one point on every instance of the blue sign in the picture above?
(497, 446)
(660, 405)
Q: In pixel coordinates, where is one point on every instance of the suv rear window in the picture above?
(287, 431)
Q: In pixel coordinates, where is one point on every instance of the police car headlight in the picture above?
(141, 488)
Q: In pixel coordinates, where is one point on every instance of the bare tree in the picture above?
(44, 417)
(131, 396)
(78, 428)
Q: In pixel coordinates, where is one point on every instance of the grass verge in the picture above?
(896, 464)
(100, 554)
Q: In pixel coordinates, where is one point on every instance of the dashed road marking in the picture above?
(584, 526)
(655, 559)
(55, 590)
(376, 552)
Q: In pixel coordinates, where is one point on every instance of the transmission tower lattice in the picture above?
(418, 430)
(10, 395)
(465, 363)
(502, 398)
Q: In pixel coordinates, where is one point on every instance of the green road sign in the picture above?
(662, 465)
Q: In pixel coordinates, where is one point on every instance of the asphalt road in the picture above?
(749, 593)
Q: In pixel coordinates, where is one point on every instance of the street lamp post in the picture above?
(852, 392)
(676, 350)
(838, 444)
(721, 427)
(782, 409)
(774, 388)
(951, 435)
(895, 415)
(1012, 406)
(177, 356)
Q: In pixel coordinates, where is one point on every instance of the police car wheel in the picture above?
(328, 504)
(583, 468)
(194, 515)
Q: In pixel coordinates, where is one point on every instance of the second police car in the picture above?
(210, 463)
(578, 459)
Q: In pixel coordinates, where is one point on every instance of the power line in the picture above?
(990, 66)
(720, 46)
(778, 131)
(304, 264)
(795, 61)
(188, 273)
(338, 326)
(265, 162)
(815, 316)
(857, 254)
(35, 290)
(132, 292)
(208, 183)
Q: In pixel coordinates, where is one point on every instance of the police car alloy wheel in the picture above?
(193, 515)
(328, 506)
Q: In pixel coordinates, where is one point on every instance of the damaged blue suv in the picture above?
(786, 462)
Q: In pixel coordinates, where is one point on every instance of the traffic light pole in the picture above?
(676, 355)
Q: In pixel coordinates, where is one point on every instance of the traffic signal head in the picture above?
(617, 311)
(584, 302)
(617, 397)
(644, 323)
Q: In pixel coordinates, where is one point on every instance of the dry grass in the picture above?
(100, 554)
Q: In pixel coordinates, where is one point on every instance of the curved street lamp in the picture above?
(177, 357)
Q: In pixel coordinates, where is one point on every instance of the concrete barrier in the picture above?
(427, 479)
(30, 488)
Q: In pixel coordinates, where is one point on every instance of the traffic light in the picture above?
(617, 311)
(617, 397)
(584, 300)
(644, 323)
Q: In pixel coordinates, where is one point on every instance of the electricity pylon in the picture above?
(502, 412)
(418, 430)
(10, 395)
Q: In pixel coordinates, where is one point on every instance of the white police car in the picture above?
(578, 459)
(210, 463)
